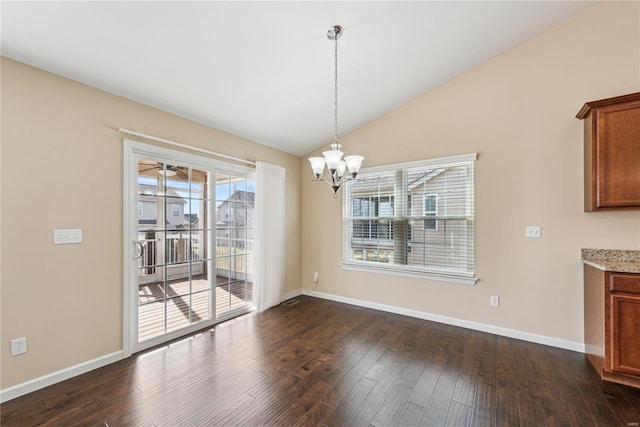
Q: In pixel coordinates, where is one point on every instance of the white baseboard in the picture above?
(292, 294)
(496, 330)
(55, 377)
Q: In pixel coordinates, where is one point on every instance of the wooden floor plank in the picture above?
(392, 407)
(484, 405)
(359, 360)
(348, 406)
(467, 380)
(459, 415)
(484, 401)
(426, 384)
(373, 402)
(410, 415)
(507, 410)
(321, 362)
(315, 416)
(301, 406)
(438, 407)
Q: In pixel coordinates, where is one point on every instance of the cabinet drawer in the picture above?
(629, 283)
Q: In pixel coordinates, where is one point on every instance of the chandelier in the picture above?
(336, 166)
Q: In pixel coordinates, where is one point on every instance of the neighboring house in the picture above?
(235, 235)
(441, 194)
(235, 218)
(436, 193)
(179, 245)
(175, 216)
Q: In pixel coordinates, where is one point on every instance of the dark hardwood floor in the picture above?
(324, 363)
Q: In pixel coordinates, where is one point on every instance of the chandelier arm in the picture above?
(330, 181)
(334, 186)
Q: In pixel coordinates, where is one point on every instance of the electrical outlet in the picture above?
(495, 302)
(532, 232)
(18, 346)
(316, 277)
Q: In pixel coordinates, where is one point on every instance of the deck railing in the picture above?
(179, 249)
(232, 254)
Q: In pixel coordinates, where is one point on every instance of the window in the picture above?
(377, 208)
(430, 209)
(175, 210)
(140, 210)
(390, 225)
(371, 223)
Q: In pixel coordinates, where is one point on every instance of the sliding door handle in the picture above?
(140, 251)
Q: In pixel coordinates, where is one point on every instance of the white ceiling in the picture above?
(264, 70)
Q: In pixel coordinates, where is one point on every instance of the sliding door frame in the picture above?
(133, 151)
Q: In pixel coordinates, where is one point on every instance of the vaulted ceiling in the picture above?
(264, 70)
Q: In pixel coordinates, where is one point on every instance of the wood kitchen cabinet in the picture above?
(611, 152)
(612, 324)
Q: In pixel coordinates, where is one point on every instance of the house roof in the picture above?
(241, 196)
(148, 193)
(385, 182)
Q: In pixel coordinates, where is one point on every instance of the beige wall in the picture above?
(62, 168)
(517, 111)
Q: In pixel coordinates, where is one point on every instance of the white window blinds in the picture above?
(414, 218)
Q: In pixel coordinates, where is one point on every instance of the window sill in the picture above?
(407, 271)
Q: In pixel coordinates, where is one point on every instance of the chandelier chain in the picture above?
(335, 88)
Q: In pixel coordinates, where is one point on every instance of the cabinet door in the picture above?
(618, 155)
(625, 333)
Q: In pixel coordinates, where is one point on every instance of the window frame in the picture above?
(430, 212)
(401, 269)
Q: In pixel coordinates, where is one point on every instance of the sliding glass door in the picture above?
(235, 242)
(174, 283)
(189, 240)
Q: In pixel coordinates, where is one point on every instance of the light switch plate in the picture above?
(532, 232)
(67, 236)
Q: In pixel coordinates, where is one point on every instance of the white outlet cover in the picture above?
(18, 346)
(532, 232)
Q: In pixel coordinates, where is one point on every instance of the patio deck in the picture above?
(230, 294)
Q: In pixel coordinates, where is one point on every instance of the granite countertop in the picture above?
(612, 260)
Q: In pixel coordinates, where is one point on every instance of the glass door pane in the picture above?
(174, 284)
(235, 231)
